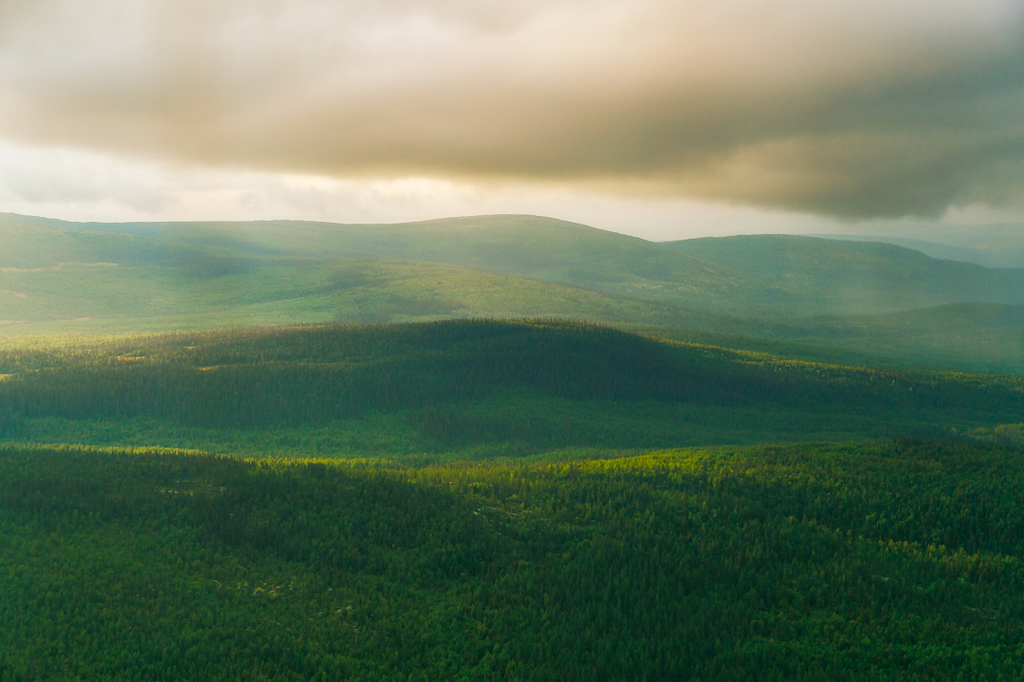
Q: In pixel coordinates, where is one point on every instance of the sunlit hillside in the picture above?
(116, 278)
(761, 276)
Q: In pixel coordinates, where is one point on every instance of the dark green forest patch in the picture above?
(531, 386)
(891, 561)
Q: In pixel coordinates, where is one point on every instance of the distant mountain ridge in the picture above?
(759, 275)
(1002, 258)
(116, 277)
(858, 277)
(994, 246)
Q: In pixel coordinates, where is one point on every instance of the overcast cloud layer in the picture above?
(856, 109)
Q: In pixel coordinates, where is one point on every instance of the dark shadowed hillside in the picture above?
(465, 389)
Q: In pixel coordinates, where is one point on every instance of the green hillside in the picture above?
(104, 298)
(996, 258)
(755, 276)
(707, 496)
(469, 389)
(839, 277)
(56, 277)
(523, 246)
(898, 560)
(975, 336)
(93, 279)
(34, 243)
(991, 245)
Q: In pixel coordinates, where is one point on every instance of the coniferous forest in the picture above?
(484, 500)
(761, 420)
(899, 560)
(539, 451)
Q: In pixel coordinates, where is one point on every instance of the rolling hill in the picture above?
(843, 278)
(976, 336)
(761, 276)
(461, 389)
(118, 298)
(495, 499)
(522, 246)
(886, 561)
(115, 278)
(991, 245)
(989, 259)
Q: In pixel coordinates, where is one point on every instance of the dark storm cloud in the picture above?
(850, 109)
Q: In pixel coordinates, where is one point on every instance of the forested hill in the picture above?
(482, 499)
(469, 386)
(60, 277)
(889, 561)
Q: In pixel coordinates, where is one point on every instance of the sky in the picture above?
(660, 118)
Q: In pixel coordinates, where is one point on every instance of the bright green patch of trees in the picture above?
(898, 560)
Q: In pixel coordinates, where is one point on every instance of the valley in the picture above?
(503, 447)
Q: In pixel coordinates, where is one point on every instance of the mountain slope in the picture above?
(760, 276)
(857, 277)
(466, 388)
(523, 246)
(105, 297)
(991, 245)
(966, 254)
(751, 275)
(974, 336)
(888, 561)
(71, 278)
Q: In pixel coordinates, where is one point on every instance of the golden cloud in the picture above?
(852, 109)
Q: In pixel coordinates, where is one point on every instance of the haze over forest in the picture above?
(511, 340)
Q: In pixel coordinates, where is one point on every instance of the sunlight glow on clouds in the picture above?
(87, 186)
(854, 110)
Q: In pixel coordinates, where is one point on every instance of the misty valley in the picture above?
(506, 448)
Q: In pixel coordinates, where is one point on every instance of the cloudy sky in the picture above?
(662, 118)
